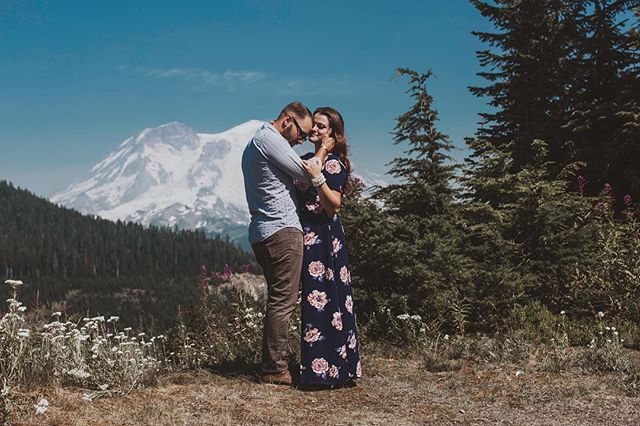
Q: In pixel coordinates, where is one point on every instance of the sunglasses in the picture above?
(301, 135)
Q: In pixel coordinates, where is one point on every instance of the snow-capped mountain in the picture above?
(171, 176)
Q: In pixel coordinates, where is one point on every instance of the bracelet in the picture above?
(317, 181)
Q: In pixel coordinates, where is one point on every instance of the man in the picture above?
(269, 166)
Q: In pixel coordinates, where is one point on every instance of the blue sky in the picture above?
(79, 77)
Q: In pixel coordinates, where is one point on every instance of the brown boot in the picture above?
(281, 378)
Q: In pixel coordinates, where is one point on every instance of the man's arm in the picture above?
(279, 153)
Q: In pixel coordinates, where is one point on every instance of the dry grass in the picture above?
(395, 390)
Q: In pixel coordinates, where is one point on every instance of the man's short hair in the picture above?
(296, 108)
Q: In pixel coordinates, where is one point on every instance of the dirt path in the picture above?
(394, 391)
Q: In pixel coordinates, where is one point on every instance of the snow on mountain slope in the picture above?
(170, 175)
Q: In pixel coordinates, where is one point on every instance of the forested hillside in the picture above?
(81, 263)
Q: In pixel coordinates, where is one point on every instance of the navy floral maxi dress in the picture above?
(329, 352)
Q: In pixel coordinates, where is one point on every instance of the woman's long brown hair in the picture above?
(337, 125)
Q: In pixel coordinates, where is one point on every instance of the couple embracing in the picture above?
(297, 238)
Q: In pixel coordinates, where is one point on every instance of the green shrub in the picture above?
(533, 323)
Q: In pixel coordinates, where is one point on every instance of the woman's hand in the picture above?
(328, 142)
(313, 166)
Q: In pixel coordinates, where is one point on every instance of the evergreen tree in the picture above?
(417, 240)
(425, 172)
(527, 66)
(605, 120)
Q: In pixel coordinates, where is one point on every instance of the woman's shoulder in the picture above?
(333, 165)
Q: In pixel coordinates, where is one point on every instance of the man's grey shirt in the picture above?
(269, 166)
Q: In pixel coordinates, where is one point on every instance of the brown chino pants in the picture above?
(280, 256)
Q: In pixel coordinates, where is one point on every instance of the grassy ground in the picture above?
(395, 390)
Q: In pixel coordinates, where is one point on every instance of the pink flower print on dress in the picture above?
(313, 207)
(342, 351)
(328, 274)
(344, 275)
(312, 335)
(320, 366)
(310, 238)
(317, 299)
(352, 340)
(336, 245)
(333, 372)
(337, 320)
(349, 304)
(358, 370)
(332, 167)
(316, 269)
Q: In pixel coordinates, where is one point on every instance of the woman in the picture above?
(329, 354)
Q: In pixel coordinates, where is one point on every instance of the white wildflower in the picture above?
(562, 312)
(41, 407)
(78, 373)
(14, 283)
(600, 314)
(403, 317)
